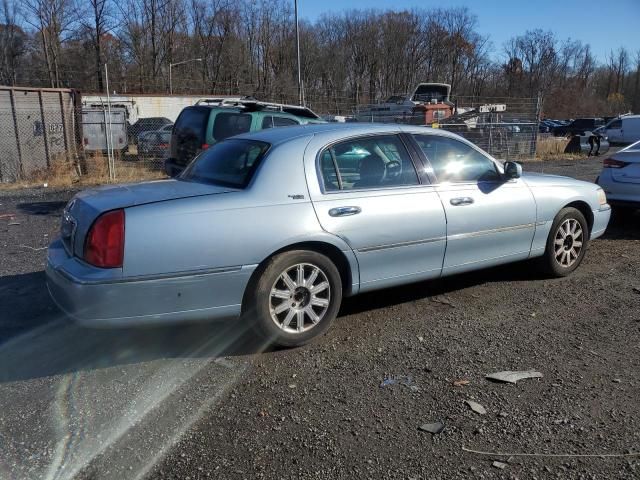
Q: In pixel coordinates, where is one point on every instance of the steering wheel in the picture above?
(392, 170)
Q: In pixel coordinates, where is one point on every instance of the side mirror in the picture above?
(171, 169)
(512, 170)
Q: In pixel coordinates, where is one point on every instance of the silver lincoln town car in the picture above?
(275, 227)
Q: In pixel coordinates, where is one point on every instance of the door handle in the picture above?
(459, 201)
(344, 211)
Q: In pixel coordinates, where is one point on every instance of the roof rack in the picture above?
(251, 104)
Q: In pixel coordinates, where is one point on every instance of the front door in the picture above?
(614, 131)
(370, 195)
(489, 220)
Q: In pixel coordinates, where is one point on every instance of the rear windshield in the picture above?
(192, 124)
(231, 163)
(229, 124)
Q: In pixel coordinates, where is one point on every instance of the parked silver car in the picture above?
(277, 226)
(620, 177)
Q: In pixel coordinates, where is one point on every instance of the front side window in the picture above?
(615, 124)
(284, 122)
(367, 162)
(231, 163)
(455, 161)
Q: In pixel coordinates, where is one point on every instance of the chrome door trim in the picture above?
(490, 231)
(401, 244)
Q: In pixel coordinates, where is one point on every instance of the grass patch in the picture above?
(65, 172)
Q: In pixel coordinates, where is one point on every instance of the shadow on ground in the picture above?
(36, 340)
(53, 208)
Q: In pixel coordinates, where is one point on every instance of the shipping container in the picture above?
(38, 126)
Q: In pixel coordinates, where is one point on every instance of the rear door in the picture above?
(489, 220)
(367, 192)
(188, 135)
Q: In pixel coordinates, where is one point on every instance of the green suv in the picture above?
(200, 126)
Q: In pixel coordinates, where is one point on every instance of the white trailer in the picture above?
(147, 106)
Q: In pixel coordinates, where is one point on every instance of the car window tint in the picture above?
(230, 163)
(615, 124)
(192, 124)
(229, 124)
(455, 161)
(284, 122)
(267, 122)
(367, 162)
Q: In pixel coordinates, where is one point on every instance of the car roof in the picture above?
(275, 136)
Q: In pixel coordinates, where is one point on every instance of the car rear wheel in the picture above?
(296, 298)
(567, 242)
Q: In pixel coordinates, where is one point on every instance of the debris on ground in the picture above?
(636, 289)
(33, 248)
(405, 381)
(13, 223)
(433, 428)
(443, 300)
(461, 382)
(499, 465)
(513, 377)
(476, 407)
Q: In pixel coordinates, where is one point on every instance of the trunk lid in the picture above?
(629, 173)
(87, 205)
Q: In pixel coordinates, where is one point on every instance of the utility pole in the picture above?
(300, 89)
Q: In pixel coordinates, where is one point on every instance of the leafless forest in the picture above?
(248, 47)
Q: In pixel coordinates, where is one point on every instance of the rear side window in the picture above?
(231, 163)
(192, 124)
(455, 161)
(367, 162)
(228, 124)
(273, 121)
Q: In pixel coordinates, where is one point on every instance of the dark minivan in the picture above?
(200, 126)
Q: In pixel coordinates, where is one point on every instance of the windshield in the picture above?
(230, 163)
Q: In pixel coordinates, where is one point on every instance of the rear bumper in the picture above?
(207, 295)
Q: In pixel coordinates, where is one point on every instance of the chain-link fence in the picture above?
(57, 135)
(507, 128)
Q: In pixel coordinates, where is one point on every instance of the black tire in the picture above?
(258, 300)
(552, 264)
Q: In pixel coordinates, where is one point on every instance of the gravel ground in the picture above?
(207, 401)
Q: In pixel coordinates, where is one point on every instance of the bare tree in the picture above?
(12, 43)
(52, 19)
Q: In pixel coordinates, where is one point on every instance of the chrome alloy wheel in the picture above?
(299, 298)
(568, 242)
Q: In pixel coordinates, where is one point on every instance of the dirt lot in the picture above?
(206, 401)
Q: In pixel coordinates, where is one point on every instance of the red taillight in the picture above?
(163, 145)
(204, 146)
(104, 246)
(613, 163)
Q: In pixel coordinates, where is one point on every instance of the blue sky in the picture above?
(605, 25)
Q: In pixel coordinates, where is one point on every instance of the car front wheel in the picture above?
(296, 298)
(567, 242)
